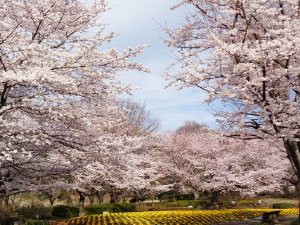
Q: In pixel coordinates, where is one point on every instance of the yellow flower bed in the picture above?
(174, 217)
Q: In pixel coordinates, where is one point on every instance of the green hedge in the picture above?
(37, 222)
(65, 211)
(109, 207)
(172, 195)
(186, 203)
(30, 212)
(283, 205)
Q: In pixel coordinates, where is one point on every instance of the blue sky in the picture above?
(137, 23)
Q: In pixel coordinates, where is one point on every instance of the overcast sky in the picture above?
(137, 23)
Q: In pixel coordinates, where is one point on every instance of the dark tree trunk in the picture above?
(152, 199)
(112, 196)
(52, 200)
(293, 150)
(214, 199)
(81, 199)
(100, 196)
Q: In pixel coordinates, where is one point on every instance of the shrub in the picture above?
(127, 207)
(37, 222)
(186, 203)
(74, 210)
(30, 212)
(65, 211)
(12, 219)
(110, 207)
(4, 214)
(97, 209)
(283, 205)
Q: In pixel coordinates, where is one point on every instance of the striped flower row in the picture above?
(174, 217)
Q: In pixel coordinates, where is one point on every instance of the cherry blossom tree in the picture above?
(119, 168)
(53, 76)
(117, 159)
(244, 54)
(208, 162)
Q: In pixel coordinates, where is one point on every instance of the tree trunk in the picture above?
(196, 195)
(81, 200)
(52, 200)
(6, 201)
(32, 199)
(298, 194)
(112, 197)
(214, 199)
(124, 198)
(100, 196)
(293, 151)
(91, 199)
(285, 189)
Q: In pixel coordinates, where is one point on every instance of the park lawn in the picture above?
(174, 217)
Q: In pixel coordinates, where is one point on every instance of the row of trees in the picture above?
(194, 159)
(244, 54)
(199, 159)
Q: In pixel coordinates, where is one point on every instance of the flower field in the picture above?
(174, 217)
